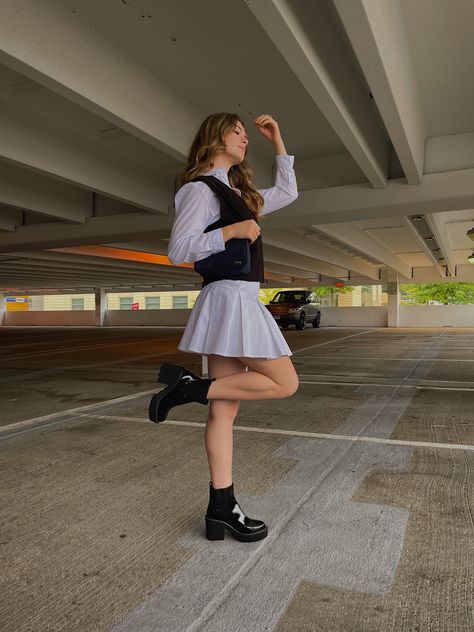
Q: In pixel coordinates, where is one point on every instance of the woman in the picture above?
(228, 323)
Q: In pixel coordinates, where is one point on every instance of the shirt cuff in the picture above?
(216, 240)
(284, 160)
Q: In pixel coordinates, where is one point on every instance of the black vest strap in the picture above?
(234, 209)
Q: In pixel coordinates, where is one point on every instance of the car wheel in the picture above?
(301, 324)
(317, 320)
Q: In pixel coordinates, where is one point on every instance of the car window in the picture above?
(284, 297)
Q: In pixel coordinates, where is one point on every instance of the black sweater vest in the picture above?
(234, 209)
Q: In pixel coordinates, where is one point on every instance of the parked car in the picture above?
(295, 307)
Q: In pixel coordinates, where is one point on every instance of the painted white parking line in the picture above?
(35, 422)
(19, 425)
(357, 358)
(300, 433)
(417, 386)
(330, 342)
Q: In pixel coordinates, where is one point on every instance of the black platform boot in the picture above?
(224, 512)
(183, 387)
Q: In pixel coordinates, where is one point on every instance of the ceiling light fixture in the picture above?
(471, 258)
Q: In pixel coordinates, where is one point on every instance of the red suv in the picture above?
(295, 307)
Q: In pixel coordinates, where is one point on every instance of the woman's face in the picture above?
(236, 142)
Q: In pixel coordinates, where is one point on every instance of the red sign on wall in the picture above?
(135, 306)
(339, 283)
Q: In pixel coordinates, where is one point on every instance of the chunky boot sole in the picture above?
(158, 413)
(215, 530)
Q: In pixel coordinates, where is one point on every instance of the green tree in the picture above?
(332, 290)
(459, 293)
(267, 294)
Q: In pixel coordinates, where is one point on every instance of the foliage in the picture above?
(267, 294)
(331, 290)
(459, 293)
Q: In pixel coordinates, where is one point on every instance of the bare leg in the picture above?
(219, 427)
(266, 379)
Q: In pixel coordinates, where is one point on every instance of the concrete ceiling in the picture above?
(99, 103)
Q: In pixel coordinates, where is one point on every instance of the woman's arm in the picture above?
(188, 241)
(285, 189)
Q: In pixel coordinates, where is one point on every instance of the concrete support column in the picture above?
(100, 306)
(393, 291)
(3, 305)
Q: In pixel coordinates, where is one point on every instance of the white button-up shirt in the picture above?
(197, 206)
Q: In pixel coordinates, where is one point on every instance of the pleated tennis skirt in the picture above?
(229, 319)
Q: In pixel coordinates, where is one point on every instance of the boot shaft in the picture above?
(189, 390)
(220, 500)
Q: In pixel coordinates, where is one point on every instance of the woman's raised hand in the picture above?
(268, 127)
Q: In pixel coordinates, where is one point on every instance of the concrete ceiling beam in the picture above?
(35, 192)
(72, 158)
(10, 217)
(377, 34)
(317, 250)
(357, 238)
(96, 230)
(437, 223)
(300, 261)
(407, 223)
(448, 191)
(59, 50)
(324, 66)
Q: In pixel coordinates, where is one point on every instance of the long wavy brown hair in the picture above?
(208, 140)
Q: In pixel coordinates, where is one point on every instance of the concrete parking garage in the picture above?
(364, 477)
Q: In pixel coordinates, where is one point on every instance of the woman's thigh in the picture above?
(280, 370)
(219, 366)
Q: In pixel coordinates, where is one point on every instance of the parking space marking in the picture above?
(300, 433)
(358, 358)
(417, 386)
(27, 423)
(330, 342)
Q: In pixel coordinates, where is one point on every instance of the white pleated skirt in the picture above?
(229, 319)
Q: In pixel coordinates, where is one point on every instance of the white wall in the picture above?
(354, 316)
(410, 316)
(147, 317)
(437, 315)
(87, 318)
(51, 319)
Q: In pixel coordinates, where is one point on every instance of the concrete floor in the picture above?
(364, 478)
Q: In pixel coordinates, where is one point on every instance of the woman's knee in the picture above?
(280, 370)
(289, 387)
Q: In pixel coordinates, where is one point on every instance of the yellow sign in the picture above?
(17, 303)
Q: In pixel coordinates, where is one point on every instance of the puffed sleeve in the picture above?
(285, 189)
(188, 242)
